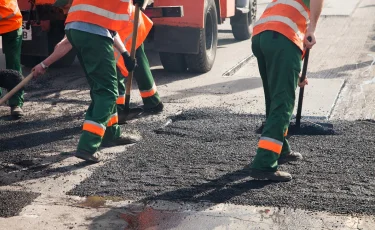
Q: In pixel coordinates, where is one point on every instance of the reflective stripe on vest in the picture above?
(10, 16)
(148, 93)
(288, 17)
(126, 35)
(294, 4)
(120, 100)
(110, 14)
(94, 127)
(284, 20)
(14, 8)
(113, 120)
(99, 11)
(270, 144)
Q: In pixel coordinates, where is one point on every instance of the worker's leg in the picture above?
(262, 70)
(121, 91)
(12, 42)
(101, 117)
(145, 80)
(283, 60)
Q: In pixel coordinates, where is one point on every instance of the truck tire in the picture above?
(242, 24)
(173, 62)
(204, 60)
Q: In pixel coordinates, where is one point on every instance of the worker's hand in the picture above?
(38, 70)
(302, 84)
(130, 64)
(139, 2)
(309, 41)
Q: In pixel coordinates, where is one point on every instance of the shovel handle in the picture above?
(16, 89)
(132, 55)
(302, 90)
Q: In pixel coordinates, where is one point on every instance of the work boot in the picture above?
(154, 110)
(124, 139)
(89, 157)
(279, 176)
(16, 111)
(124, 116)
(291, 156)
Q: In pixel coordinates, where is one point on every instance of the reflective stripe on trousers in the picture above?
(120, 100)
(148, 93)
(94, 127)
(270, 144)
(113, 120)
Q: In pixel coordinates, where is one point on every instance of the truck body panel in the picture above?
(193, 13)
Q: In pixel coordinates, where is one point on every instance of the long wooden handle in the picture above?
(302, 90)
(132, 55)
(16, 89)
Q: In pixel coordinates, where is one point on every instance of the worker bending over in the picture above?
(143, 75)
(91, 27)
(279, 39)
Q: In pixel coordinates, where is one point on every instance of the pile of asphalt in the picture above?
(12, 202)
(203, 156)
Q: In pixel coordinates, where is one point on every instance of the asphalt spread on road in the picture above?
(203, 156)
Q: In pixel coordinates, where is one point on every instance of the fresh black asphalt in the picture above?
(201, 156)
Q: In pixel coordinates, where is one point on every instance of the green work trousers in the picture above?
(279, 63)
(101, 75)
(12, 42)
(144, 79)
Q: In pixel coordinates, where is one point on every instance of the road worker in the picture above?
(279, 39)
(143, 75)
(11, 33)
(91, 28)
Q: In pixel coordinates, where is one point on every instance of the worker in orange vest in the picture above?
(11, 33)
(143, 75)
(91, 28)
(279, 39)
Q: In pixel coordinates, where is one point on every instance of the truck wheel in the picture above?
(204, 60)
(243, 23)
(173, 62)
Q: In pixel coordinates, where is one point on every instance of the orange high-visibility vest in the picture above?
(288, 17)
(10, 16)
(110, 14)
(126, 35)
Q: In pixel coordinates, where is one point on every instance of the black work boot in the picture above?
(89, 157)
(124, 139)
(155, 110)
(279, 176)
(291, 156)
(16, 111)
(132, 113)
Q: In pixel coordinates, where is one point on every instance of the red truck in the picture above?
(185, 31)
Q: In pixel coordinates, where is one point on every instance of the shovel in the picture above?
(325, 126)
